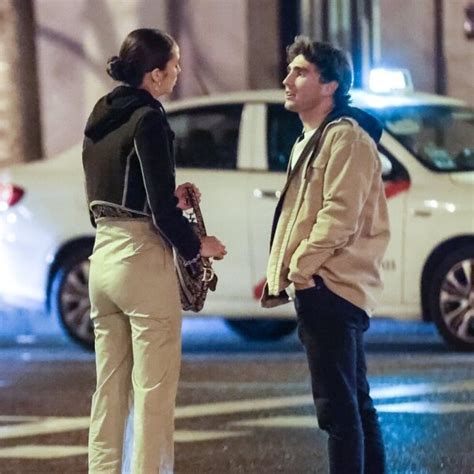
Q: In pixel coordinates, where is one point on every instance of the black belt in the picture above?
(102, 210)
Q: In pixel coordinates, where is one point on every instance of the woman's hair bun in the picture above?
(116, 69)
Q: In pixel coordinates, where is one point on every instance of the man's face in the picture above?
(304, 89)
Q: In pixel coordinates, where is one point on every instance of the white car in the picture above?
(235, 148)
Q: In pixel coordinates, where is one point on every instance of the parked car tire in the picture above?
(451, 298)
(262, 329)
(70, 297)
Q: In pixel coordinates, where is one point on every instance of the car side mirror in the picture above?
(387, 166)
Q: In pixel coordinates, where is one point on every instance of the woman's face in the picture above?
(170, 73)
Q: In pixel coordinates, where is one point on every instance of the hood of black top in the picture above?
(114, 109)
(372, 125)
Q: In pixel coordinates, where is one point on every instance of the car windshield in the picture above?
(441, 137)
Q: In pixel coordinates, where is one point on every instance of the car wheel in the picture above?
(70, 297)
(261, 329)
(451, 298)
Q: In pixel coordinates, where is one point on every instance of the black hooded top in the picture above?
(128, 163)
(372, 125)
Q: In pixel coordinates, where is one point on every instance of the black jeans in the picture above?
(331, 330)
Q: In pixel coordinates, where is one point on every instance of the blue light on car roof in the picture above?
(385, 81)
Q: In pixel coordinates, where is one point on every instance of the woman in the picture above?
(130, 181)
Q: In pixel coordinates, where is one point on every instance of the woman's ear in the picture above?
(157, 75)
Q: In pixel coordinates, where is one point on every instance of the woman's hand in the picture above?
(181, 192)
(212, 247)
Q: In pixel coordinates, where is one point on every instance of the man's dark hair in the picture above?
(142, 51)
(332, 63)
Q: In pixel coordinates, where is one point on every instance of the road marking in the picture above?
(224, 408)
(26, 339)
(44, 426)
(409, 390)
(396, 391)
(389, 391)
(187, 436)
(24, 426)
(213, 385)
(426, 407)
(18, 419)
(303, 421)
(36, 451)
(310, 421)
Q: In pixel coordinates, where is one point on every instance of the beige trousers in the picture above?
(137, 323)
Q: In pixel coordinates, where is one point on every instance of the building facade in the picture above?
(234, 44)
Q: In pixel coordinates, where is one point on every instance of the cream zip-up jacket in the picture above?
(333, 220)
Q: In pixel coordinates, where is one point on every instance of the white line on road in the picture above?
(392, 391)
(60, 424)
(397, 391)
(224, 408)
(310, 421)
(213, 385)
(18, 419)
(303, 421)
(34, 426)
(36, 451)
(425, 407)
(44, 426)
(409, 390)
(187, 436)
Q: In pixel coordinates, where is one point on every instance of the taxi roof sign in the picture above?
(386, 81)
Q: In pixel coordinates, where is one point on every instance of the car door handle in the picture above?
(266, 194)
(422, 212)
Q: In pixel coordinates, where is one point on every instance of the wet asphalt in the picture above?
(242, 407)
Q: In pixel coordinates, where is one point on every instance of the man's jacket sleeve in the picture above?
(347, 181)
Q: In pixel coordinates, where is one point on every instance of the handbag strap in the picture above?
(193, 200)
(209, 274)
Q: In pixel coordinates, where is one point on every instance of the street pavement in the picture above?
(244, 407)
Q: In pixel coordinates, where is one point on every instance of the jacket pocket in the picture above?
(315, 171)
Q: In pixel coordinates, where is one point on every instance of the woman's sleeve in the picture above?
(157, 166)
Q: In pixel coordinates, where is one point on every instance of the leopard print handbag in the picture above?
(197, 278)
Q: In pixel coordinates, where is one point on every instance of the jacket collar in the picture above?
(312, 147)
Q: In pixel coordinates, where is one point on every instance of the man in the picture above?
(329, 234)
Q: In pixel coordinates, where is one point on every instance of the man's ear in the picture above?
(330, 88)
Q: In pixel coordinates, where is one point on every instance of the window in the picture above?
(283, 128)
(392, 169)
(441, 137)
(206, 137)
